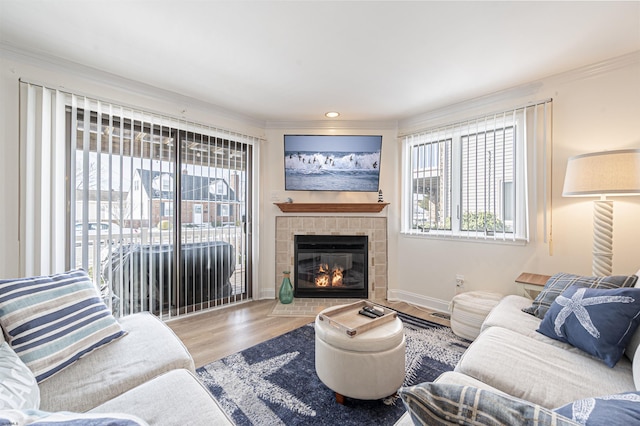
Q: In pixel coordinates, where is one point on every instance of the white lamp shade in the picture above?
(603, 173)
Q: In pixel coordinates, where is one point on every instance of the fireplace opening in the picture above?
(331, 266)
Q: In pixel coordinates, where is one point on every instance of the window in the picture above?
(109, 174)
(487, 163)
(507, 198)
(224, 210)
(167, 208)
(469, 180)
(126, 166)
(431, 186)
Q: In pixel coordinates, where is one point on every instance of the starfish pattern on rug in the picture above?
(433, 343)
(245, 386)
(576, 305)
(295, 373)
(582, 409)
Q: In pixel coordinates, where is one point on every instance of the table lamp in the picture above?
(608, 173)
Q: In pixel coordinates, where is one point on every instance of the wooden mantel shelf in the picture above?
(331, 207)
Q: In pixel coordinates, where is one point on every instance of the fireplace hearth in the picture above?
(331, 266)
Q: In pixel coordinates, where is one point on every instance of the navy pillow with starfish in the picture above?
(599, 321)
(599, 411)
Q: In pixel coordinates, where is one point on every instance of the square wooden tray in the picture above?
(347, 319)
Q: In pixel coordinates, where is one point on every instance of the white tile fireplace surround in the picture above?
(374, 227)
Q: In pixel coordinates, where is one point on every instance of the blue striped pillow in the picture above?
(443, 404)
(52, 321)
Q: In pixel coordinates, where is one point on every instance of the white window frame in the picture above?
(167, 209)
(454, 134)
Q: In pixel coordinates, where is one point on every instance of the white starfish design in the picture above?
(428, 343)
(245, 387)
(576, 305)
(582, 409)
(434, 343)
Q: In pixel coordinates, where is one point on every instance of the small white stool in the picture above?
(469, 310)
(367, 366)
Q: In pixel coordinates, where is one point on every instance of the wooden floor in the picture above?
(215, 334)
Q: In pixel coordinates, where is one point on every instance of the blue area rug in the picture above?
(275, 382)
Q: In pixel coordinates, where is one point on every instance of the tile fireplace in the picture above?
(373, 227)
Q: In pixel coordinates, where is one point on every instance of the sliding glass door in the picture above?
(159, 210)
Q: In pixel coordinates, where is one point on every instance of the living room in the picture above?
(593, 109)
(593, 81)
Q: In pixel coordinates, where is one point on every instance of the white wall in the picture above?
(594, 109)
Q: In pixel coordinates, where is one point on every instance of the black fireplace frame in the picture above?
(332, 244)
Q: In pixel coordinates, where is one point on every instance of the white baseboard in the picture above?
(419, 300)
(266, 294)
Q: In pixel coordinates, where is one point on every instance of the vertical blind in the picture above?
(472, 179)
(156, 209)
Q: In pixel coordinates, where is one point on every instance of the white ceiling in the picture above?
(295, 60)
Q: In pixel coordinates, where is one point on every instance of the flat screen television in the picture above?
(332, 162)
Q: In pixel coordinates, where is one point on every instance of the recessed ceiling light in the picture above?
(332, 114)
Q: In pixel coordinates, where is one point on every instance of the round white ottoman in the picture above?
(366, 366)
(469, 310)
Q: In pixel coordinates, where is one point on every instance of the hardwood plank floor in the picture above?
(215, 334)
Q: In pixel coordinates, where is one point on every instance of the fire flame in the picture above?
(329, 277)
(337, 276)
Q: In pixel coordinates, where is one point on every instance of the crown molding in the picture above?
(333, 125)
(44, 60)
(525, 91)
(407, 125)
(598, 68)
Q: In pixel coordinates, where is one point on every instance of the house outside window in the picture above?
(218, 187)
(163, 182)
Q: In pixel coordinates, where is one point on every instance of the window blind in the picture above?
(157, 209)
(473, 179)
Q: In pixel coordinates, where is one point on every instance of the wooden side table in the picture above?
(531, 284)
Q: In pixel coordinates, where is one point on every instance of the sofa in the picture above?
(513, 372)
(137, 370)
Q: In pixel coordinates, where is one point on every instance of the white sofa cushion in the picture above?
(455, 378)
(149, 349)
(508, 314)
(539, 372)
(174, 398)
